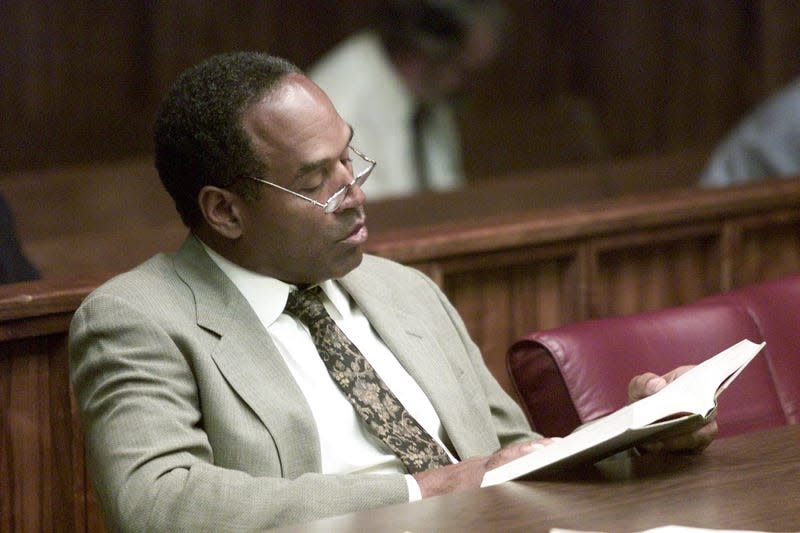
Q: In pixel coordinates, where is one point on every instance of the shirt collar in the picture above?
(267, 296)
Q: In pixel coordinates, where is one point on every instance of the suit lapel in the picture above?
(249, 360)
(409, 338)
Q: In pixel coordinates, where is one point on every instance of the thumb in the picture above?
(644, 385)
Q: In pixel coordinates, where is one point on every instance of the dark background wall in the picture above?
(579, 79)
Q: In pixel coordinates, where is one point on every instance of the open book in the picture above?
(686, 401)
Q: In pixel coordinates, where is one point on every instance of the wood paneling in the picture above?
(497, 301)
(44, 459)
(42, 470)
(81, 81)
(768, 246)
(652, 270)
(577, 80)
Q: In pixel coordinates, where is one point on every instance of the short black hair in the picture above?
(198, 133)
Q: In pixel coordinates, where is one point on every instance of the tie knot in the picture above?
(306, 305)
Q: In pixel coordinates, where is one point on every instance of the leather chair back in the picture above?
(576, 373)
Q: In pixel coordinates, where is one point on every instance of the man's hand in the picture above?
(646, 384)
(469, 472)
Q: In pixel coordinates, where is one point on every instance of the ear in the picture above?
(221, 209)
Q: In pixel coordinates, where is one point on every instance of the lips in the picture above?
(358, 233)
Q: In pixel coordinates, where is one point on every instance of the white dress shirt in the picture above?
(346, 444)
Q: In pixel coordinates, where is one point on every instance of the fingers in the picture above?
(649, 383)
(469, 472)
(463, 475)
(514, 451)
(696, 441)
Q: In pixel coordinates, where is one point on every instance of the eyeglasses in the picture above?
(336, 199)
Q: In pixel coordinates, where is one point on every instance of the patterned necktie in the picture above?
(368, 394)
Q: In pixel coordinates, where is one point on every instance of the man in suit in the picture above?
(204, 400)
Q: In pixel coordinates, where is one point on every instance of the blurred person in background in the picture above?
(398, 83)
(765, 143)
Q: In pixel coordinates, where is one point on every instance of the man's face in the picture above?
(299, 133)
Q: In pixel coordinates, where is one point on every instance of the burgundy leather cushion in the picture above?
(540, 386)
(596, 360)
(775, 308)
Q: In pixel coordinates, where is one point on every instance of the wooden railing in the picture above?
(109, 217)
(506, 274)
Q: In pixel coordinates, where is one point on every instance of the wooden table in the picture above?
(749, 482)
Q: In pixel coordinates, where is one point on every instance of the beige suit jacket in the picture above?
(193, 421)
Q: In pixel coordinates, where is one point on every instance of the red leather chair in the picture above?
(775, 308)
(573, 374)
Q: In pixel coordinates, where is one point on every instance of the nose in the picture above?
(353, 197)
